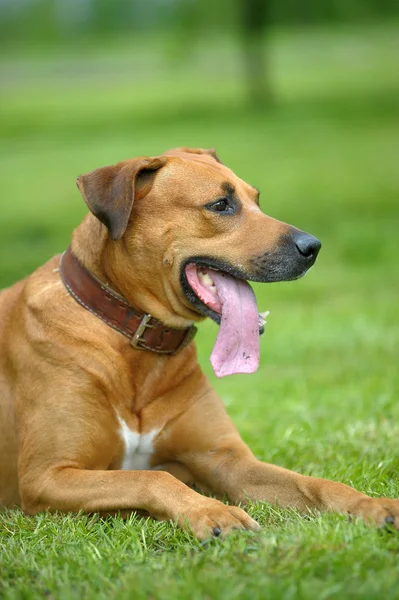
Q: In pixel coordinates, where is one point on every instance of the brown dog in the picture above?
(103, 406)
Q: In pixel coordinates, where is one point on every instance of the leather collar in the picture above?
(144, 331)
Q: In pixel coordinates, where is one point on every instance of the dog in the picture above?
(103, 406)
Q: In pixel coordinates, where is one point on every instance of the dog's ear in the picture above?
(109, 192)
(210, 151)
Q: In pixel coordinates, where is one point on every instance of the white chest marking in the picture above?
(138, 448)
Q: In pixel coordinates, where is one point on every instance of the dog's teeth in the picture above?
(263, 316)
(206, 279)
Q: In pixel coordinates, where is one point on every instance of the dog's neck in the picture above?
(143, 330)
(143, 289)
(91, 256)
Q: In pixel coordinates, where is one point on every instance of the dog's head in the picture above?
(185, 234)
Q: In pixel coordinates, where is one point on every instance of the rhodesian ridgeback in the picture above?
(103, 405)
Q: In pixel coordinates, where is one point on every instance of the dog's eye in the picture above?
(223, 205)
(220, 205)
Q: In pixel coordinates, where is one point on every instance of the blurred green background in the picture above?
(302, 100)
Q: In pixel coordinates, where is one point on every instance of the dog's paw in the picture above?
(378, 511)
(212, 518)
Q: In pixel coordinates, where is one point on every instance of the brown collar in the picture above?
(144, 331)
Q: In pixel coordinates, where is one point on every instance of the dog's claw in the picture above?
(216, 532)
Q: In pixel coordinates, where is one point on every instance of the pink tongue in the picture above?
(236, 349)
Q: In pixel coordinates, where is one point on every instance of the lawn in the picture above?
(325, 399)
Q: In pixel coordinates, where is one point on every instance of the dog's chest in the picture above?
(138, 449)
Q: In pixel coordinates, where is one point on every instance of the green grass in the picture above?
(325, 399)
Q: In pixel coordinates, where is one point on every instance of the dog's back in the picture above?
(24, 310)
(9, 493)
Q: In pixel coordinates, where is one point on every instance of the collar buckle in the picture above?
(137, 341)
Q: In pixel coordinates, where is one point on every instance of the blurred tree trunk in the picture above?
(255, 20)
(72, 15)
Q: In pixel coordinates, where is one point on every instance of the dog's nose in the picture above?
(307, 244)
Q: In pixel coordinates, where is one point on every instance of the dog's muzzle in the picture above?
(293, 256)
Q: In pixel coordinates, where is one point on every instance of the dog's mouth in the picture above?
(229, 300)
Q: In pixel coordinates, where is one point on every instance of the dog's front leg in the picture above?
(213, 451)
(251, 479)
(160, 494)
